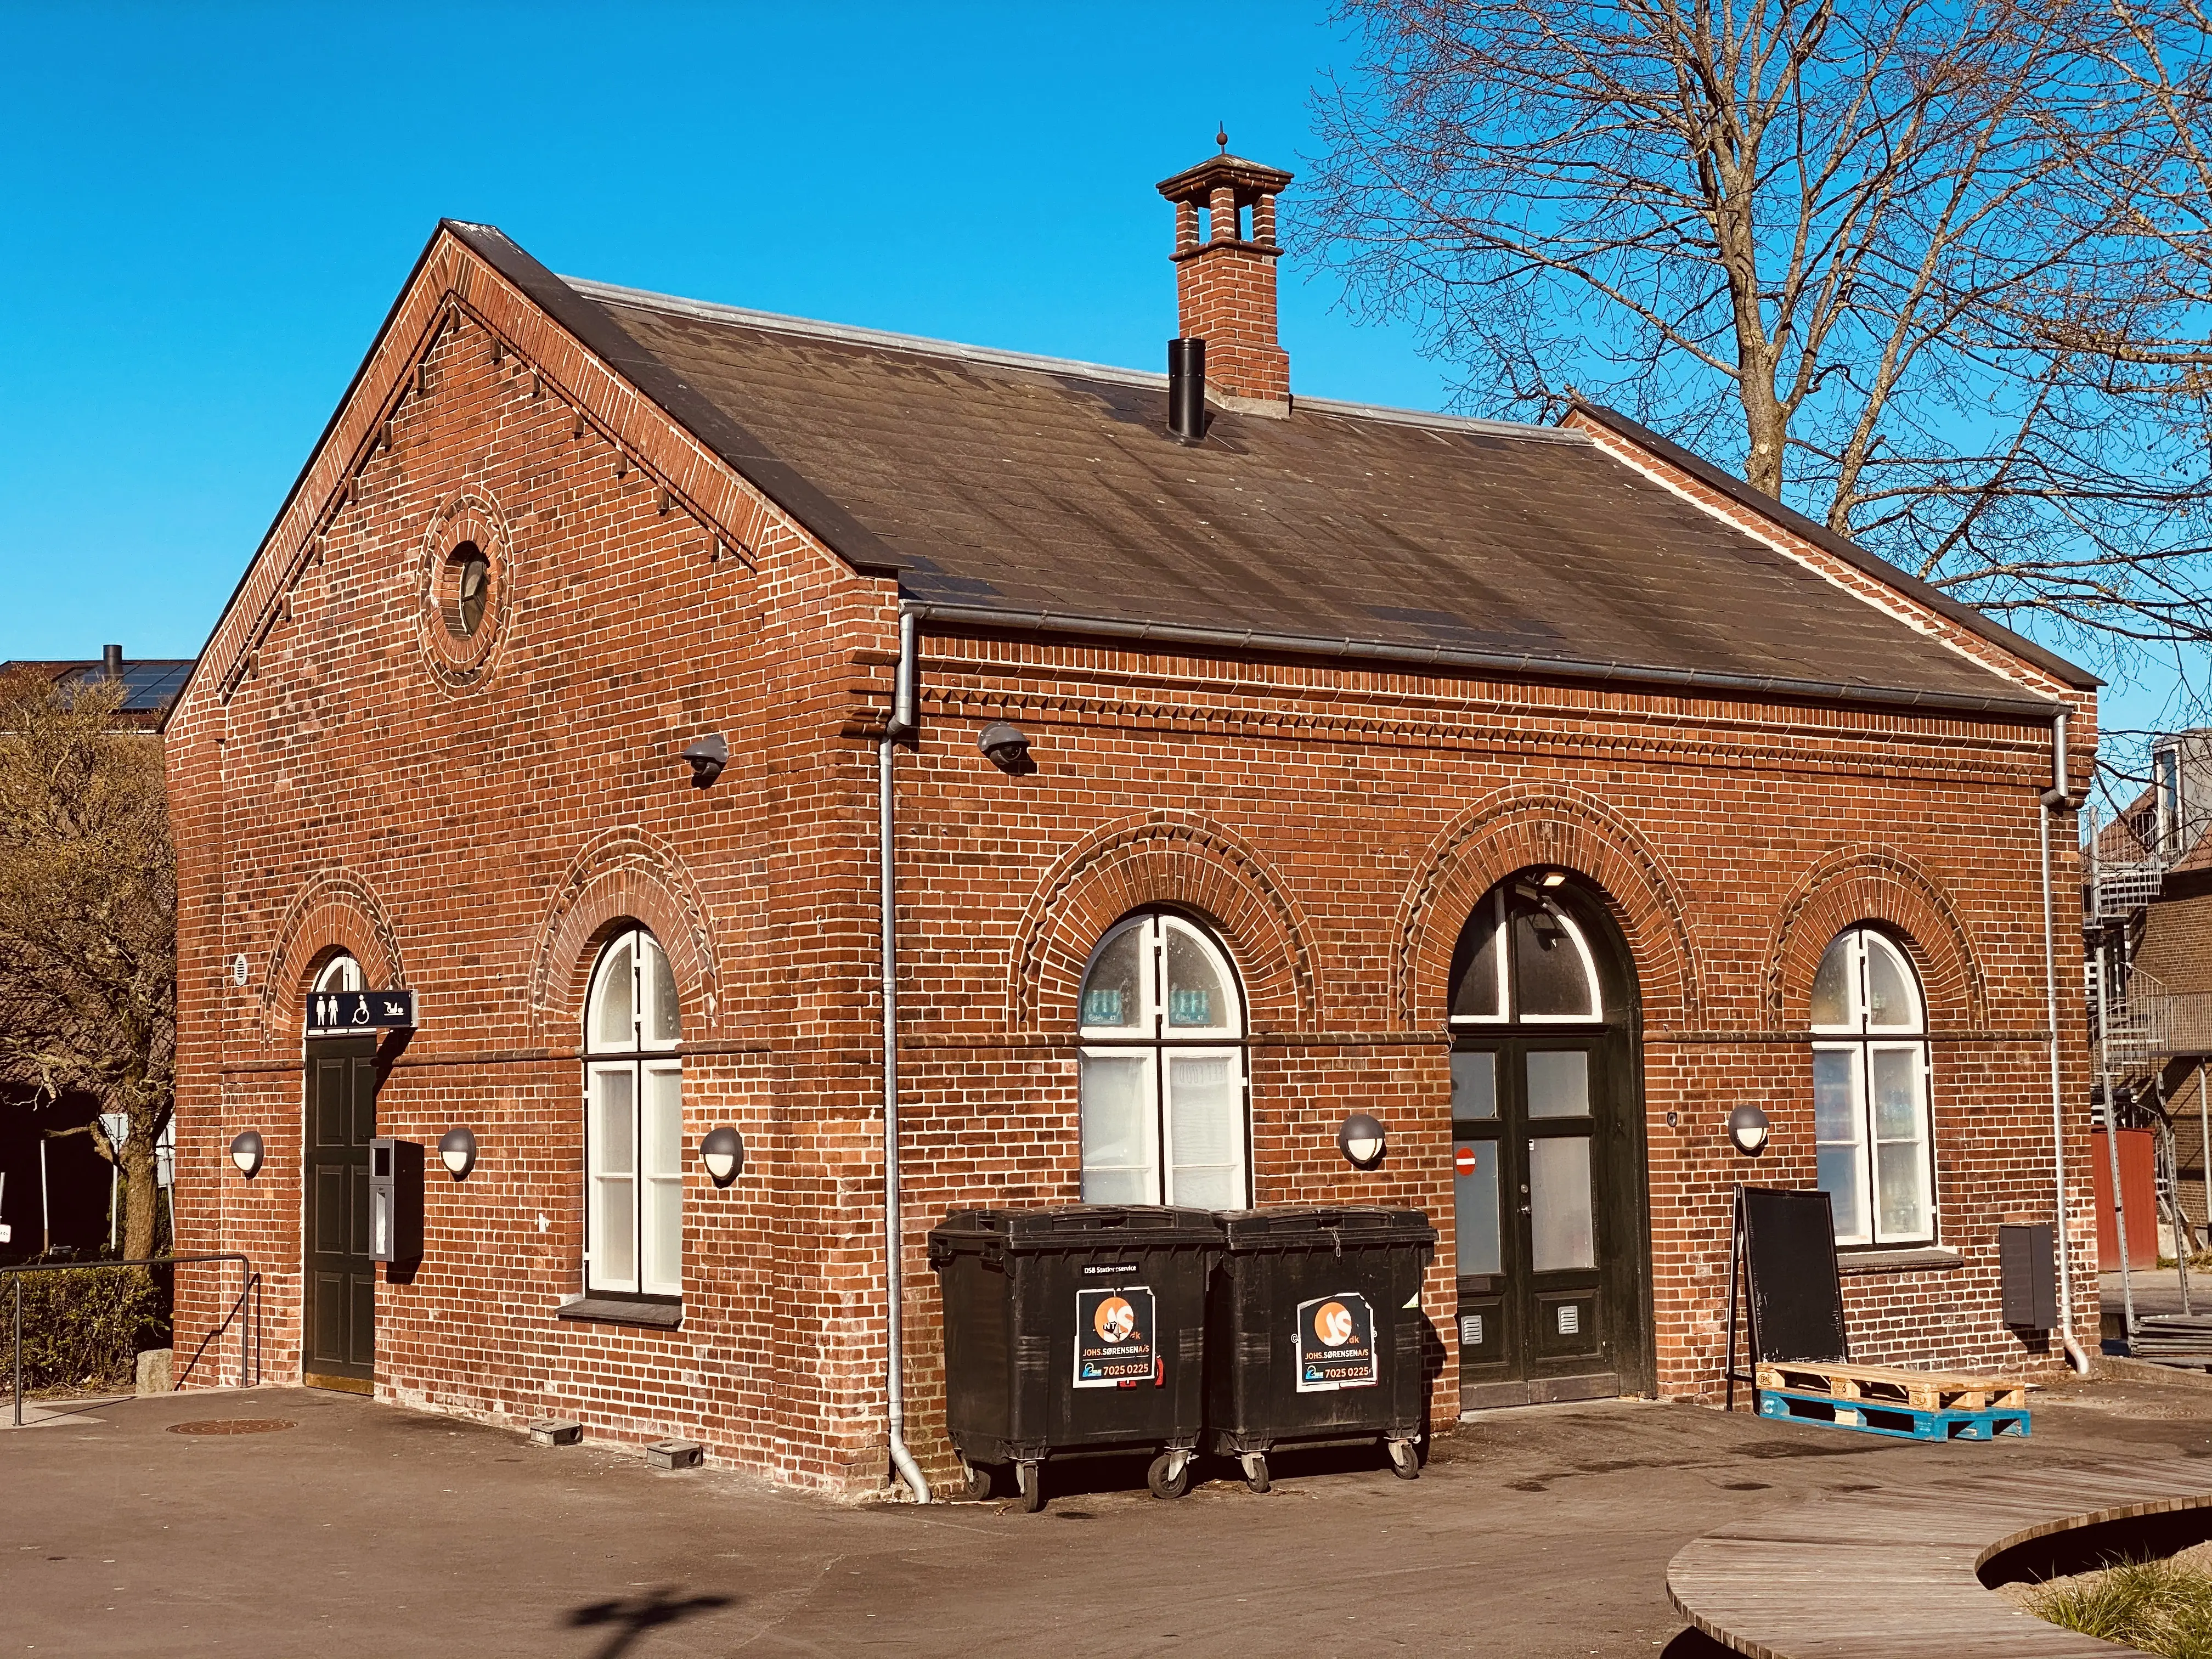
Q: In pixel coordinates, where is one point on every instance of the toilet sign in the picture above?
(347, 1013)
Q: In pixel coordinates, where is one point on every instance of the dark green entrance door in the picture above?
(1548, 1152)
(340, 1281)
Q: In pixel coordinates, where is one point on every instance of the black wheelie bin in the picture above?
(1074, 1330)
(1313, 1330)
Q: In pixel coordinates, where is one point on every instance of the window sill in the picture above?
(617, 1311)
(1895, 1261)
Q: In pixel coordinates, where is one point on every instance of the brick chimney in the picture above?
(1225, 280)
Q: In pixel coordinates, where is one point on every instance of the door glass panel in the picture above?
(1559, 1211)
(1205, 1132)
(1474, 1206)
(1553, 982)
(612, 1020)
(1118, 1118)
(1558, 1084)
(1474, 1085)
(1196, 996)
(1110, 991)
(1479, 995)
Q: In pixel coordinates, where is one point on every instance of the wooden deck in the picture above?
(1891, 1574)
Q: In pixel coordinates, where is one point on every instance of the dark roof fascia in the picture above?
(284, 506)
(595, 328)
(1505, 664)
(1821, 536)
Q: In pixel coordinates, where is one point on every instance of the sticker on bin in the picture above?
(1336, 1344)
(1114, 1347)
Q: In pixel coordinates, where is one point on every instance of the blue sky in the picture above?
(209, 209)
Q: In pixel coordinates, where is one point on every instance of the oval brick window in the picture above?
(468, 591)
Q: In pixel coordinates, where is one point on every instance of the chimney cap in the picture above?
(1250, 179)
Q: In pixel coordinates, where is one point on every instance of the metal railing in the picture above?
(249, 1282)
(2149, 1023)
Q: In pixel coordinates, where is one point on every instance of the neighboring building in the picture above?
(2149, 899)
(1544, 791)
(61, 1201)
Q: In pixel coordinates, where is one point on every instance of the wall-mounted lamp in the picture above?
(706, 758)
(246, 1152)
(457, 1151)
(723, 1151)
(1747, 1129)
(1362, 1140)
(1007, 747)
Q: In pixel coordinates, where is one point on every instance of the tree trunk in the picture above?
(141, 1193)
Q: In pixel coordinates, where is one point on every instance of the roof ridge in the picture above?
(1001, 357)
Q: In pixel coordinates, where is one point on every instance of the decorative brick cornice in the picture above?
(1165, 859)
(1844, 888)
(1512, 831)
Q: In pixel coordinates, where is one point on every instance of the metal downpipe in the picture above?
(902, 725)
(2075, 1355)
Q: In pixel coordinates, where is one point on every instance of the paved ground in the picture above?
(369, 1529)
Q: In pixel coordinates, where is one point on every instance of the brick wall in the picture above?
(472, 820)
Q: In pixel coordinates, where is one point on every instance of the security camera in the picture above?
(1007, 747)
(708, 757)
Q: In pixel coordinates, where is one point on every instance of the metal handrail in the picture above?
(247, 1279)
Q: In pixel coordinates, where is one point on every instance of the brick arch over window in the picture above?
(337, 910)
(1171, 859)
(1509, 831)
(1887, 889)
(622, 876)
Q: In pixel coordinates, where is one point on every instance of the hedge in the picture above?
(83, 1328)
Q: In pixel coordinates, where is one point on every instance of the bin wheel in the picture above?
(1405, 1460)
(1031, 1479)
(977, 1482)
(1255, 1471)
(1167, 1480)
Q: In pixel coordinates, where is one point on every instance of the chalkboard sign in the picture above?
(1795, 1292)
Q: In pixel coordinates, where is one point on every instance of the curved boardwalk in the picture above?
(1891, 1574)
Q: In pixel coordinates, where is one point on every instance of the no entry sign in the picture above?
(1463, 1161)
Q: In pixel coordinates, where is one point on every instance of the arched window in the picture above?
(633, 1123)
(1163, 1069)
(341, 973)
(1870, 1092)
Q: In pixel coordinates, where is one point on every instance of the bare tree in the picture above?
(89, 919)
(1933, 274)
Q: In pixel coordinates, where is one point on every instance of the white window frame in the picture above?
(641, 1056)
(1501, 935)
(1858, 1036)
(341, 973)
(1151, 1038)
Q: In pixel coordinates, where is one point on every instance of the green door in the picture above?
(340, 1281)
(1547, 1154)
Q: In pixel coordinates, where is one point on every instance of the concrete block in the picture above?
(156, 1370)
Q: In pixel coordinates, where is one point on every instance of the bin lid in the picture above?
(1077, 1227)
(1303, 1226)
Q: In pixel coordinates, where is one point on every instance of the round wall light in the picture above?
(1747, 1129)
(457, 1151)
(723, 1151)
(246, 1152)
(1362, 1140)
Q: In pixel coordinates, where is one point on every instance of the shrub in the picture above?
(83, 1328)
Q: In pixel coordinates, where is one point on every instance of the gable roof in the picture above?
(1017, 492)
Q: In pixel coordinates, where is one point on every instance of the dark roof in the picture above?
(1029, 493)
(151, 685)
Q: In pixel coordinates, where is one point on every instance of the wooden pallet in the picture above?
(1899, 1421)
(1922, 1391)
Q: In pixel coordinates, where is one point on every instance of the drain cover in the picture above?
(233, 1426)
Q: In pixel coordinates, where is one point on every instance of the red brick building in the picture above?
(1510, 784)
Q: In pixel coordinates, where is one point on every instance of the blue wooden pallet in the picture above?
(1899, 1422)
